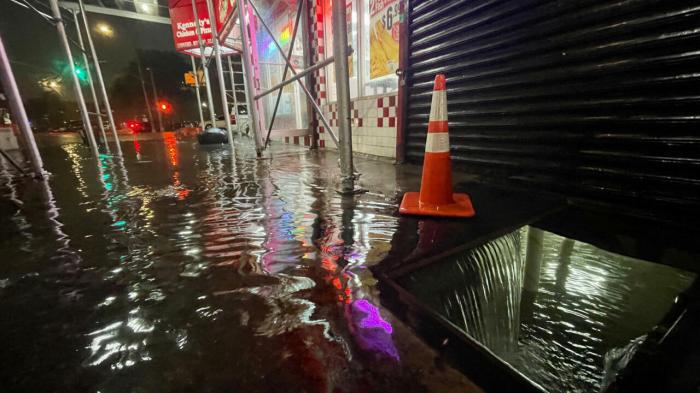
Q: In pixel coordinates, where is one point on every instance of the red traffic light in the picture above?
(165, 107)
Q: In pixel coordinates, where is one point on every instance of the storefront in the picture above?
(373, 33)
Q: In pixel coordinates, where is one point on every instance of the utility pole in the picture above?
(196, 89)
(220, 70)
(8, 81)
(207, 82)
(56, 12)
(342, 83)
(98, 72)
(89, 78)
(155, 99)
(143, 88)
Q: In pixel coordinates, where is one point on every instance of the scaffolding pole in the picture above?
(98, 71)
(342, 83)
(196, 89)
(100, 123)
(247, 36)
(220, 72)
(210, 98)
(7, 78)
(76, 82)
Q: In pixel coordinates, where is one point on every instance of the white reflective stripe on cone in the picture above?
(438, 106)
(437, 142)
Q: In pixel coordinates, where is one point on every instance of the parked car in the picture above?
(137, 126)
(212, 135)
(221, 122)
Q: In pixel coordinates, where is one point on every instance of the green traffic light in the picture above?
(80, 73)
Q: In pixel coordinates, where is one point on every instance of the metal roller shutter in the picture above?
(594, 100)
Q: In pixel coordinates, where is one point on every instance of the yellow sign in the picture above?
(383, 38)
(189, 79)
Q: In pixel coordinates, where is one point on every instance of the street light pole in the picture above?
(90, 82)
(342, 83)
(98, 72)
(196, 89)
(220, 70)
(155, 99)
(8, 81)
(76, 83)
(210, 99)
(143, 88)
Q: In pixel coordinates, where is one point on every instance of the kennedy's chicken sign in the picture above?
(184, 25)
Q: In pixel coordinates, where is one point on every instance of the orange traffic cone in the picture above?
(436, 197)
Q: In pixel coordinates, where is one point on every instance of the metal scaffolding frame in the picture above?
(220, 71)
(98, 72)
(205, 66)
(91, 84)
(56, 13)
(296, 76)
(234, 91)
(196, 89)
(7, 78)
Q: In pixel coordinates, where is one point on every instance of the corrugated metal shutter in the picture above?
(597, 100)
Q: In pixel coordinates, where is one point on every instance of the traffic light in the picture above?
(165, 107)
(80, 72)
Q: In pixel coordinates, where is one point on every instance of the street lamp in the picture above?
(104, 30)
(155, 99)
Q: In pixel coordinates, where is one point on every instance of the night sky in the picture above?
(35, 51)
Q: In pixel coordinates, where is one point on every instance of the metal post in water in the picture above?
(98, 72)
(248, 76)
(155, 99)
(7, 78)
(235, 99)
(90, 82)
(76, 83)
(342, 83)
(143, 89)
(196, 89)
(205, 69)
(220, 69)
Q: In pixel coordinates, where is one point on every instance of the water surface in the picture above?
(185, 268)
(550, 306)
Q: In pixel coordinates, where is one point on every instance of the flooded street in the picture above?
(194, 269)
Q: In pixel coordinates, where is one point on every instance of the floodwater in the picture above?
(554, 308)
(197, 269)
(190, 269)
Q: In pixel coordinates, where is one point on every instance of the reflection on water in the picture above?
(193, 269)
(550, 306)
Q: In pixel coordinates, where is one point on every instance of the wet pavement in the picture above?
(186, 268)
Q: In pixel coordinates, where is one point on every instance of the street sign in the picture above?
(189, 79)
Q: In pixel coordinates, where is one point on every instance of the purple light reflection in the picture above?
(373, 319)
(371, 331)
